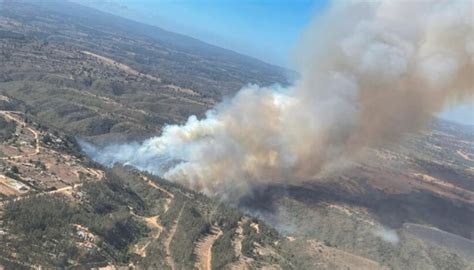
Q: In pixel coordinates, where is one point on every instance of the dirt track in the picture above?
(168, 240)
(243, 262)
(59, 169)
(8, 116)
(153, 221)
(203, 249)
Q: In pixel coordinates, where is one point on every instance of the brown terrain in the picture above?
(69, 73)
(423, 181)
(168, 239)
(337, 259)
(152, 222)
(203, 249)
(243, 261)
(39, 166)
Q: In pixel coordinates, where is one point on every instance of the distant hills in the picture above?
(155, 45)
(96, 74)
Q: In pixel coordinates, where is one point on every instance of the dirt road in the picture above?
(169, 238)
(203, 249)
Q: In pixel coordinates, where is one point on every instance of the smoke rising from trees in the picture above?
(370, 72)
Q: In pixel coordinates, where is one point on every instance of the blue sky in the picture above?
(265, 29)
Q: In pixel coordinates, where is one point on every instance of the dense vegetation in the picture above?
(114, 211)
(6, 129)
(41, 225)
(51, 218)
(39, 216)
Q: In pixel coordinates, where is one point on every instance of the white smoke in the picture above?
(370, 72)
(387, 235)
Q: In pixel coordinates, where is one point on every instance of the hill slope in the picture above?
(72, 72)
(60, 210)
(93, 73)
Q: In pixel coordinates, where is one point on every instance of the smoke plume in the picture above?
(369, 73)
(387, 235)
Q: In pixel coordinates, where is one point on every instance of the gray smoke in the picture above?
(370, 72)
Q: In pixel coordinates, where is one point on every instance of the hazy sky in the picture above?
(265, 29)
(463, 113)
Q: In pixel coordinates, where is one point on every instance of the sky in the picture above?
(265, 29)
(463, 113)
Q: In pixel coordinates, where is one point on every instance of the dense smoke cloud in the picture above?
(370, 72)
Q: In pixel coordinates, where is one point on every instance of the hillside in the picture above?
(92, 73)
(69, 72)
(59, 209)
(406, 206)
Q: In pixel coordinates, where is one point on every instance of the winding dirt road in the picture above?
(169, 239)
(203, 249)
